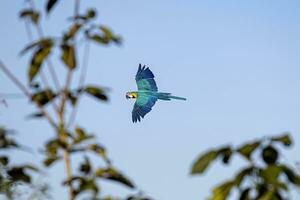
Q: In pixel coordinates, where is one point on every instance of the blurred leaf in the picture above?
(269, 155)
(37, 60)
(46, 42)
(50, 160)
(72, 98)
(31, 14)
(293, 177)
(68, 56)
(96, 92)
(243, 174)
(43, 97)
(268, 195)
(285, 139)
(222, 192)
(72, 32)
(203, 162)
(91, 13)
(35, 115)
(81, 136)
(247, 149)
(245, 195)
(50, 5)
(18, 174)
(4, 160)
(226, 153)
(112, 174)
(85, 167)
(271, 174)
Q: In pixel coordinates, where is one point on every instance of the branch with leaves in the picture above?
(265, 177)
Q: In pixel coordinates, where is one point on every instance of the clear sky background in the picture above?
(237, 62)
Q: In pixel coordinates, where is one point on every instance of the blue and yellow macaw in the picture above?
(147, 94)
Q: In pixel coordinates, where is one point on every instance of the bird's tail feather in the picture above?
(168, 96)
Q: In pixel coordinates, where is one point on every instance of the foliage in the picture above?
(52, 99)
(266, 178)
(12, 176)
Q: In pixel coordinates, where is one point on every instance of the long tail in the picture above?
(168, 96)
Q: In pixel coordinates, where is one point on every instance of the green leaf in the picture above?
(31, 14)
(269, 155)
(85, 167)
(291, 175)
(203, 162)
(96, 92)
(50, 5)
(18, 174)
(114, 175)
(284, 139)
(81, 136)
(247, 149)
(271, 174)
(240, 177)
(68, 56)
(37, 60)
(43, 97)
(268, 195)
(72, 32)
(50, 160)
(222, 192)
(46, 42)
(4, 160)
(245, 194)
(91, 13)
(226, 153)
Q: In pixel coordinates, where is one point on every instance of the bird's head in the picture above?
(131, 95)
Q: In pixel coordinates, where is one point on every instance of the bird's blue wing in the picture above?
(145, 79)
(142, 106)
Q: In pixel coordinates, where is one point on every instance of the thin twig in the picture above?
(48, 61)
(26, 92)
(83, 74)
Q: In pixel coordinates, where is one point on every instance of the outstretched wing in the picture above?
(142, 106)
(145, 79)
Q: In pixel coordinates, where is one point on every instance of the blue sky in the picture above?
(237, 63)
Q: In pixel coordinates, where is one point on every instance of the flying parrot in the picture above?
(147, 94)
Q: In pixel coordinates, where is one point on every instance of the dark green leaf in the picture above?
(268, 195)
(271, 174)
(285, 139)
(43, 97)
(226, 153)
(81, 136)
(47, 42)
(37, 60)
(114, 175)
(85, 167)
(50, 5)
(91, 13)
(293, 177)
(240, 177)
(247, 149)
(4, 160)
(18, 174)
(50, 160)
(32, 14)
(68, 56)
(245, 195)
(96, 92)
(203, 162)
(269, 155)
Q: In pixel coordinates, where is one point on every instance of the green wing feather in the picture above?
(142, 106)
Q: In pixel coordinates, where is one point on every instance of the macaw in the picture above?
(147, 94)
